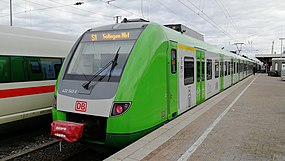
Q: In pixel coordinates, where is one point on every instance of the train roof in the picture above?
(120, 26)
(199, 44)
(26, 42)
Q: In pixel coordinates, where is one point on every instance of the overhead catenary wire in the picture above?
(45, 7)
(209, 20)
(82, 9)
(110, 4)
(173, 12)
(227, 15)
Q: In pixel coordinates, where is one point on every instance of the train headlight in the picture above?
(120, 108)
(54, 103)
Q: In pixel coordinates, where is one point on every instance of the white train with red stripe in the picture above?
(30, 61)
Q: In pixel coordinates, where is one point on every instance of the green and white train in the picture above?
(122, 81)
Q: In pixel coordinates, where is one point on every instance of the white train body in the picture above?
(29, 63)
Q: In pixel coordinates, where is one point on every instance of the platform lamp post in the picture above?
(11, 23)
(281, 46)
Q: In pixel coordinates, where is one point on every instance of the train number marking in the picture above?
(81, 106)
(72, 91)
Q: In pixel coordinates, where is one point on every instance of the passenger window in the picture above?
(57, 69)
(226, 68)
(17, 69)
(229, 68)
(209, 69)
(4, 69)
(234, 67)
(216, 69)
(35, 67)
(203, 70)
(221, 69)
(188, 70)
(198, 70)
(50, 67)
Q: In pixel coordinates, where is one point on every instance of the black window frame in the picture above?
(234, 67)
(30, 68)
(203, 69)
(229, 68)
(189, 76)
(209, 69)
(222, 68)
(217, 72)
(226, 68)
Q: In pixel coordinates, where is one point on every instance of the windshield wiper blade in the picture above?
(114, 63)
(86, 84)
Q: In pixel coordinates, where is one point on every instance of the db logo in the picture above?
(81, 106)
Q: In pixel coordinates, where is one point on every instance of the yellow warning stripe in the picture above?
(183, 47)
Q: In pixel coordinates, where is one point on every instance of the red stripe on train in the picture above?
(25, 91)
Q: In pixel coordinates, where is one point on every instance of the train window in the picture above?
(35, 67)
(17, 69)
(226, 68)
(203, 70)
(173, 61)
(50, 67)
(216, 69)
(221, 69)
(188, 70)
(234, 67)
(209, 69)
(91, 56)
(229, 68)
(198, 70)
(21, 68)
(4, 69)
(56, 69)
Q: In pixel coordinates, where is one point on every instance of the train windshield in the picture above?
(98, 49)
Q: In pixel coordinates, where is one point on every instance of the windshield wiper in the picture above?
(112, 62)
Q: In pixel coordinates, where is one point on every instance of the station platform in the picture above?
(245, 122)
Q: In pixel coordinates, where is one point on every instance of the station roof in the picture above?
(269, 55)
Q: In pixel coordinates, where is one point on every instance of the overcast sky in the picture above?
(256, 23)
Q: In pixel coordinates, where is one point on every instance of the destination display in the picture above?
(112, 35)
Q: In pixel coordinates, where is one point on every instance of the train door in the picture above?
(222, 72)
(200, 75)
(172, 81)
(186, 77)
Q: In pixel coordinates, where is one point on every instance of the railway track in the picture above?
(38, 145)
(30, 150)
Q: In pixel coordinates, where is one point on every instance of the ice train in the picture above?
(30, 61)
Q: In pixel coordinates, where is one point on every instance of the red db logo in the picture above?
(81, 106)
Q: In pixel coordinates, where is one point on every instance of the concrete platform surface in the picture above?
(244, 123)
